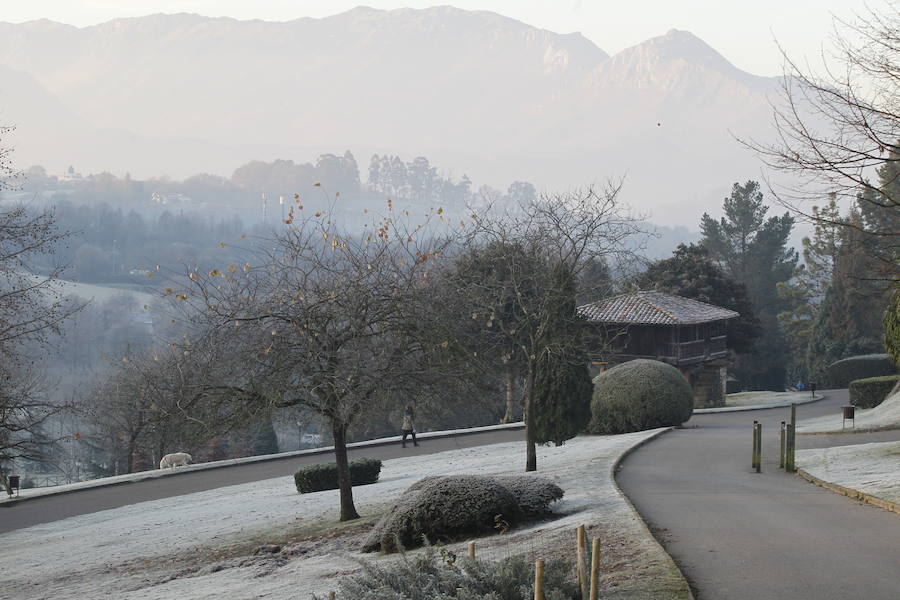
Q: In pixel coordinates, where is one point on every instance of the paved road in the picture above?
(740, 535)
(52, 508)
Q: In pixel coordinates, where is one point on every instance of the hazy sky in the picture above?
(744, 32)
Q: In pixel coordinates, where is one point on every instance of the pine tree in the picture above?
(806, 291)
(752, 249)
(691, 273)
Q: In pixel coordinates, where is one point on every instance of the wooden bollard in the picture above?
(789, 465)
(580, 567)
(789, 450)
(539, 580)
(781, 447)
(755, 450)
(471, 549)
(759, 447)
(595, 569)
(331, 595)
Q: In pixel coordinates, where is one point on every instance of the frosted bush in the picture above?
(445, 508)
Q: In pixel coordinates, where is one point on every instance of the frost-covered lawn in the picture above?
(762, 398)
(201, 545)
(869, 468)
(759, 400)
(884, 416)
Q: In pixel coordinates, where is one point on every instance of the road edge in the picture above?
(851, 493)
(234, 462)
(614, 468)
(783, 404)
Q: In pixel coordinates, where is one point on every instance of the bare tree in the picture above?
(167, 398)
(511, 278)
(32, 307)
(325, 320)
(837, 129)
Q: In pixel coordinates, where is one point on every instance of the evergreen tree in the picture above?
(752, 249)
(892, 325)
(562, 384)
(691, 273)
(848, 321)
(805, 292)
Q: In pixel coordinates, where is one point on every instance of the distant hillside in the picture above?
(484, 94)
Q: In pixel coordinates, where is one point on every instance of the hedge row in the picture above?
(870, 392)
(316, 478)
(842, 372)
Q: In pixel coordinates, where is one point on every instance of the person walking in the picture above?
(409, 427)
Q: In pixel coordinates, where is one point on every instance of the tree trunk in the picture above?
(4, 480)
(339, 431)
(530, 446)
(130, 455)
(510, 395)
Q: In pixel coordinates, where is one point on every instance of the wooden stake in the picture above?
(580, 567)
(759, 447)
(755, 454)
(789, 464)
(539, 580)
(781, 447)
(471, 549)
(595, 569)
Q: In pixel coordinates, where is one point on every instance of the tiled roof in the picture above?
(653, 308)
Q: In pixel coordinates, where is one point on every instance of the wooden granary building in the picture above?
(685, 333)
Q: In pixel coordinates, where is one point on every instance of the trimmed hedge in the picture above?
(871, 391)
(638, 395)
(316, 478)
(842, 372)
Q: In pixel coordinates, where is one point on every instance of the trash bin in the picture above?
(849, 411)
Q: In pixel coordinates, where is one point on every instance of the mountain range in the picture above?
(476, 92)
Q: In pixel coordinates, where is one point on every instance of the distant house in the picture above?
(685, 333)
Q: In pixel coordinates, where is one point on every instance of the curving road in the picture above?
(741, 535)
(44, 509)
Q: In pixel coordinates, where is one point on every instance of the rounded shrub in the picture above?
(842, 372)
(441, 509)
(450, 507)
(534, 495)
(640, 394)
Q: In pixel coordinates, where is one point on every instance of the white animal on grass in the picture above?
(178, 459)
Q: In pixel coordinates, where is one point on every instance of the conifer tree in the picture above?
(752, 249)
(562, 385)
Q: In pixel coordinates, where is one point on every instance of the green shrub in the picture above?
(316, 478)
(445, 508)
(871, 391)
(442, 575)
(842, 372)
(640, 394)
(892, 325)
